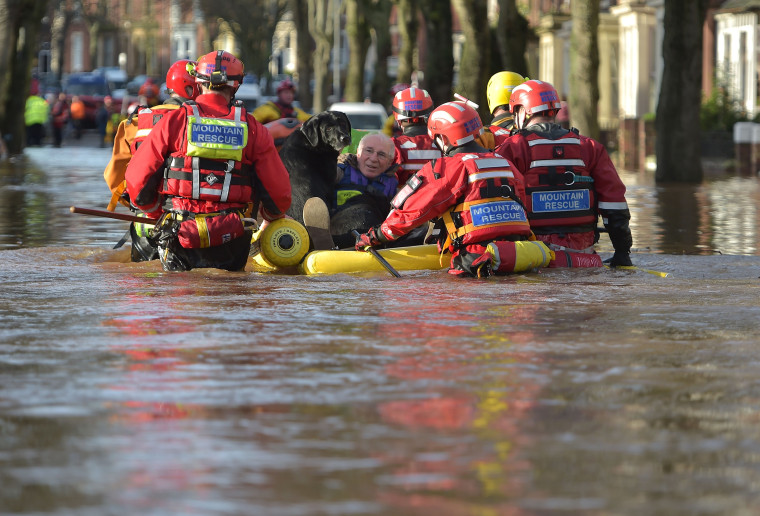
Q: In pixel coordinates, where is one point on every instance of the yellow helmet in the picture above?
(500, 87)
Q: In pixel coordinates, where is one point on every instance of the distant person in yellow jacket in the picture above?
(131, 132)
(282, 107)
(36, 112)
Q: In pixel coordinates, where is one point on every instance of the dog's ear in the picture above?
(347, 121)
(310, 130)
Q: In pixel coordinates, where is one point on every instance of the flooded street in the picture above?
(126, 390)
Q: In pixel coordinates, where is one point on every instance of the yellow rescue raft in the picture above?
(283, 246)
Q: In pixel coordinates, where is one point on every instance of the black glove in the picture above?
(619, 259)
(371, 238)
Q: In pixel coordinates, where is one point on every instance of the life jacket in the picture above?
(559, 187)
(77, 110)
(147, 118)
(210, 167)
(282, 110)
(491, 208)
(354, 183)
(414, 152)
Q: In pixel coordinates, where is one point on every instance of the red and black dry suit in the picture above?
(207, 195)
(569, 181)
(479, 196)
(414, 148)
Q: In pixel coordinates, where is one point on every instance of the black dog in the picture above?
(310, 156)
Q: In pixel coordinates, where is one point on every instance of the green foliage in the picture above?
(720, 111)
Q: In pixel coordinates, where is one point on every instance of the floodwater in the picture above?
(125, 390)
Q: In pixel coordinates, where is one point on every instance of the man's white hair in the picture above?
(390, 146)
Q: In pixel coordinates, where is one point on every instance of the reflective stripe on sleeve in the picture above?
(613, 205)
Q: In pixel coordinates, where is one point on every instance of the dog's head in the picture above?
(328, 130)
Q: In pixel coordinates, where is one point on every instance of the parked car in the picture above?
(116, 77)
(91, 88)
(366, 116)
(250, 94)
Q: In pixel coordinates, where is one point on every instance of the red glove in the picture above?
(371, 238)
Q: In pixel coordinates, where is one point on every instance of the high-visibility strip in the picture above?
(424, 154)
(227, 181)
(203, 236)
(613, 205)
(487, 163)
(489, 175)
(557, 162)
(196, 177)
(544, 141)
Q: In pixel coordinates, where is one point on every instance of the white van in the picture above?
(250, 94)
(366, 116)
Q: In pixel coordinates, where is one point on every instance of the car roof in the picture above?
(358, 107)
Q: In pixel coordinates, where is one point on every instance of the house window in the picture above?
(77, 52)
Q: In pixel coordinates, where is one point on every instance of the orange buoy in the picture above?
(281, 129)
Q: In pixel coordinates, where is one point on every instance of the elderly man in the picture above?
(365, 184)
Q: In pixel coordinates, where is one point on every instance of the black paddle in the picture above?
(377, 256)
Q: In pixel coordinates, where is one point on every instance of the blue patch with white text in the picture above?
(201, 134)
(496, 213)
(565, 200)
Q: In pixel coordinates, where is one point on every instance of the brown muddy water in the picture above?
(125, 390)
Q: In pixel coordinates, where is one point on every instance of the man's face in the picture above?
(375, 155)
(286, 96)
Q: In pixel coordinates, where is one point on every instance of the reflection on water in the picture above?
(718, 216)
(126, 390)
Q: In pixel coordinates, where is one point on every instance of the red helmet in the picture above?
(457, 122)
(219, 68)
(398, 87)
(536, 97)
(412, 103)
(179, 80)
(286, 84)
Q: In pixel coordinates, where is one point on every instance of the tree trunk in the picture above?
(241, 15)
(474, 65)
(25, 15)
(321, 24)
(584, 67)
(677, 123)
(439, 62)
(357, 31)
(7, 42)
(512, 34)
(60, 26)
(407, 30)
(304, 47)
(378, 14)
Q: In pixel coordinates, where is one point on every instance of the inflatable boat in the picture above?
(283, 246)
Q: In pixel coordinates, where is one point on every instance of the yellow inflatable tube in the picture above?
(412, 258)
(283, 246)
(282, 243)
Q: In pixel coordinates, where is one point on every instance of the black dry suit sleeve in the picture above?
(616, 222)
